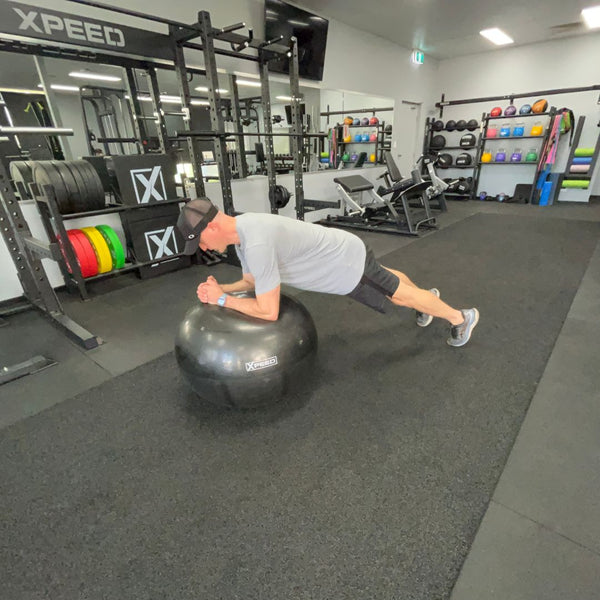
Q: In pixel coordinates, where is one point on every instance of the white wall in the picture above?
(562, 63)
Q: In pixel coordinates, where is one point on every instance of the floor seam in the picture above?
(546, 527)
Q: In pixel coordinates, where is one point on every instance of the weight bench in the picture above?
(389, 215)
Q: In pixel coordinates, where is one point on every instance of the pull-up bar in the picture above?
(443, 103)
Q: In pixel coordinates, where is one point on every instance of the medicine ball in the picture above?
(540, 106)
(237, 361)
(464, 159)
(496, 111)
(461, 125)
(510, 110)
(348, 121)
(525, 109)
(356, 122)
(450, 125)
(444, 160)
(468, 140)
(472, 125)
(437, 142)
(388, 129)
(437, 125)
(373, 121)
(364, 121)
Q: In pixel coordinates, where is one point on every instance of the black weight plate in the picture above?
(73, 184)
(89, 202)
(80, 182)
(96, 199)
(21, 172)
(44, 173)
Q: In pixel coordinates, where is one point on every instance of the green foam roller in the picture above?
(584, 152)
(576, 183)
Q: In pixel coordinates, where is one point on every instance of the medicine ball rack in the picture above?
(485, 120)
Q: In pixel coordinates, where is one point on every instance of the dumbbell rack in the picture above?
(429, 132)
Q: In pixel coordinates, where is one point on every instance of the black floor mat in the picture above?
(370, 484)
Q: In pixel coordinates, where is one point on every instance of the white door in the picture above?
(409, 138)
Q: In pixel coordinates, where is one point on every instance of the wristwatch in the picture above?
(221, 301)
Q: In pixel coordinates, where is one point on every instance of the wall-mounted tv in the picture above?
(309, 29)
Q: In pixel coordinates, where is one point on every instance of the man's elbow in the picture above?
(272, 316)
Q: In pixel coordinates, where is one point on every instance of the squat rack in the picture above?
(51, 33)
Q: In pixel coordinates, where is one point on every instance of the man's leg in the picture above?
(411, 296)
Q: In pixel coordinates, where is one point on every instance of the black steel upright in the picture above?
(184, 91)
(207, 35)
(268, 128)
(240, 147)
(139, 126)
(297, 141)
(161, 126)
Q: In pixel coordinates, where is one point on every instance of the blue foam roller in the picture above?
(587, 160)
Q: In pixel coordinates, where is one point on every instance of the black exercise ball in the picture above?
(237, 361)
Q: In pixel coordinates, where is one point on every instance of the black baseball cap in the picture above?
(192, 221)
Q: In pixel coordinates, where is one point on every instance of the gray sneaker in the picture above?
(424, 319)
(460, 334)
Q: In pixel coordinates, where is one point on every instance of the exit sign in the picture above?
(417, 57)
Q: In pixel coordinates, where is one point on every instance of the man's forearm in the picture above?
(238, 286)
(250, 307)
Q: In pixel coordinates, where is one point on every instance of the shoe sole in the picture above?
(428, 322)
(470, 331)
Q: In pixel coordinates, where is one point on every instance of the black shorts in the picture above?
(376, 284)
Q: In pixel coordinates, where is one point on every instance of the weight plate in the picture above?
(82, 260)
(86, 267)
(87, 260)
(75, 187)
(114, 245)
(103, 255)
(44, 173)
(94, 198)
(21, 172)
(75, 247)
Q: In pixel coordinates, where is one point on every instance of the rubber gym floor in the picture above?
(406, 469)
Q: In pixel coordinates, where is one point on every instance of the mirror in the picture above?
(98, 110)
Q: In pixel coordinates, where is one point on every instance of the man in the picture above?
(273, 250)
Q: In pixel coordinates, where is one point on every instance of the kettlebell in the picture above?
(492, 132)
(500, 156)
(358, 138)
(345, 157)
(531, 156)
(486, 157)
(365, 137)
(537, 129)
(516, 156)
(483, 195)
(518, 130)
(504, 131)
(372, 158)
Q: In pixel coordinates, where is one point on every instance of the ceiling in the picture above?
(450, 28)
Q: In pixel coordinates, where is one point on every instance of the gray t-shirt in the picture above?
(276, 249)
